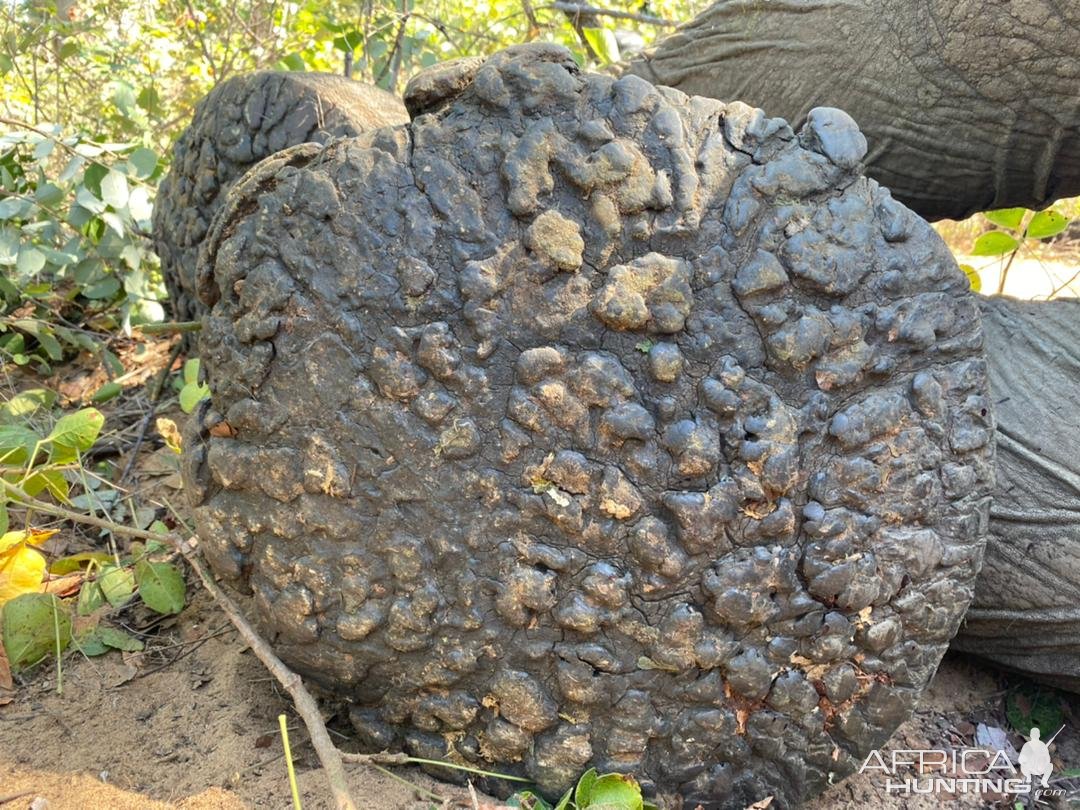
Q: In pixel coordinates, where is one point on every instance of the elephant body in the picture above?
(967, 105)
(1026, 612)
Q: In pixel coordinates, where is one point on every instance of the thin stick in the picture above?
(56, 636)
(582, 10)
(305, 704)
(171, 328)
(13, 796)
(155, 395)
(289, 763)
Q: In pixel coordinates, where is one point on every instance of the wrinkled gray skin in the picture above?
(1026, 613)
(240, 122)
(583, 423)
(967, 105)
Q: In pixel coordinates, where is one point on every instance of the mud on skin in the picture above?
(585, 423)
(240, 122)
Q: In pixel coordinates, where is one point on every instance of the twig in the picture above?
(172, 328)
(1005, 272)
(305, 704)
(582, 10)
(395, 49)
(13, 796)
(155, 395)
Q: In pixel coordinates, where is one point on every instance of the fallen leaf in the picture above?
(995, 739)
(22, 568)
(63, 586)
(222, 430)
(168, 431)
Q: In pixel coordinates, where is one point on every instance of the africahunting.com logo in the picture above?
(986, 772)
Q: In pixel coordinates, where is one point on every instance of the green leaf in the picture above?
(294, 62)
(994, 243)
(191, 370)
(615, 790)
(3, 518)
(112, 362)
(90, 644)
(49, 343)
(43, 148)
(123, 97)
(191, 395)
(48, 194)
(90, 599)
(584, 787)
(26, 402)
(77, 430)
(103, 289)
(161, 586)
(30, 261)
(564, 800)
(117, 584)
(1034, 707)
(33, 622)
(602, 40)
(17, 442)
(1046, 224)
(143, 162)
(109, 390)
(93, 176)
(1007, 217)
(114, 189)
(139, 205)
(349, 41)
(150, 100)
(75, 562)
(119, 640)
(50, 479)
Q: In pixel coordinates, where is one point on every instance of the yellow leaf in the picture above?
(22, 568)
(973, 277)
(32, 537)
(168, 431)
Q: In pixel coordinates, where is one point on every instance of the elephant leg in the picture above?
(1026, 612)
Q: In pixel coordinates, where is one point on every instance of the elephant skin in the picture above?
(1026, 612)
(967, 105)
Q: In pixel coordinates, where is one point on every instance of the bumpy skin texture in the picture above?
(583, 423)
(240, 122)
(967, 106)
(1026, 612)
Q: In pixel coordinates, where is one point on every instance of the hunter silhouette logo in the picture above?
(1035, 757)
(977, 771)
